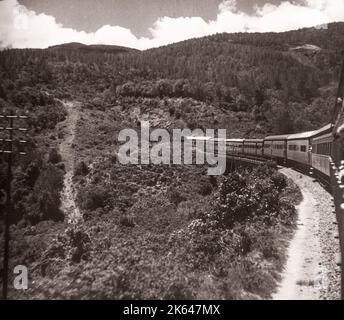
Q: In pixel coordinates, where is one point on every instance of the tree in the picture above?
(164, 88)
(284, 124)
(259, 97)
(2, 92)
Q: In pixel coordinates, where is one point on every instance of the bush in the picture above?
(46, 196)
(74, 245)
(46, 117)
(279, 180)
(81, 169)
(172, 111)
(250, 194)
(205, 188)
(93, 198)
(127, 220)
(54, 156)
(80, 244)
(175, 196)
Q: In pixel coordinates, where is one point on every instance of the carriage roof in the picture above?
(254, 140)
(235, 140)
(325, 129)
(302, 135)
(278, 137)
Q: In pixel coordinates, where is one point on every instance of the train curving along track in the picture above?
(319, 153)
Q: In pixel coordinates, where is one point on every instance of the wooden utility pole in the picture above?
(7, 149)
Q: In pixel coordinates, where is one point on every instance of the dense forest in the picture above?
(250, 84)
(279, 82)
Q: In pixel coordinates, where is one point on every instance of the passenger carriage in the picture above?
(298, 148)
(321, 147)
(253, 147)
(275, 147)
(235, 146)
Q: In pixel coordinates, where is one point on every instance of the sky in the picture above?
(144, 24)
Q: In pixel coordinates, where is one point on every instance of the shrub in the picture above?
(172, 111)
(81, 169)
(205, 188)
(46, 196)
(279, 180)
(74, 245)
(93, 197)
(54, 156)
(127, 220)
(250, 194)
(80, 244)
(175, 196)
(46, 117)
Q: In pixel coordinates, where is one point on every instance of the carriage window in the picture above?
(303, 148)
(322, 148)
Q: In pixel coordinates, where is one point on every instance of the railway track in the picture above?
(332, 184)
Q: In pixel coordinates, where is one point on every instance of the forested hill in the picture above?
(257, 83)
(92, 48)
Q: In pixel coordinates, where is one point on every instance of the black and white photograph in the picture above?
(183, 150)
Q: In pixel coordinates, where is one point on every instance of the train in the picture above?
(310, 149)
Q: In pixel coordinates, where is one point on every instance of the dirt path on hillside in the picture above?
(311, 272)
(66, 149)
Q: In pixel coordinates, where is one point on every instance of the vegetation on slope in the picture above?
(207, 242)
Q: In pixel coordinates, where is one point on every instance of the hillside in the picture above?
(140, 219)
(277, 82)
(250, 84)
(92, 48)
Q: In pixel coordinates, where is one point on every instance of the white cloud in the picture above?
(21, 28)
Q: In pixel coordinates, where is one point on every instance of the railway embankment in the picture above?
(311, 272)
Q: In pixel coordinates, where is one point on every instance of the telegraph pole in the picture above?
(7, 148)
